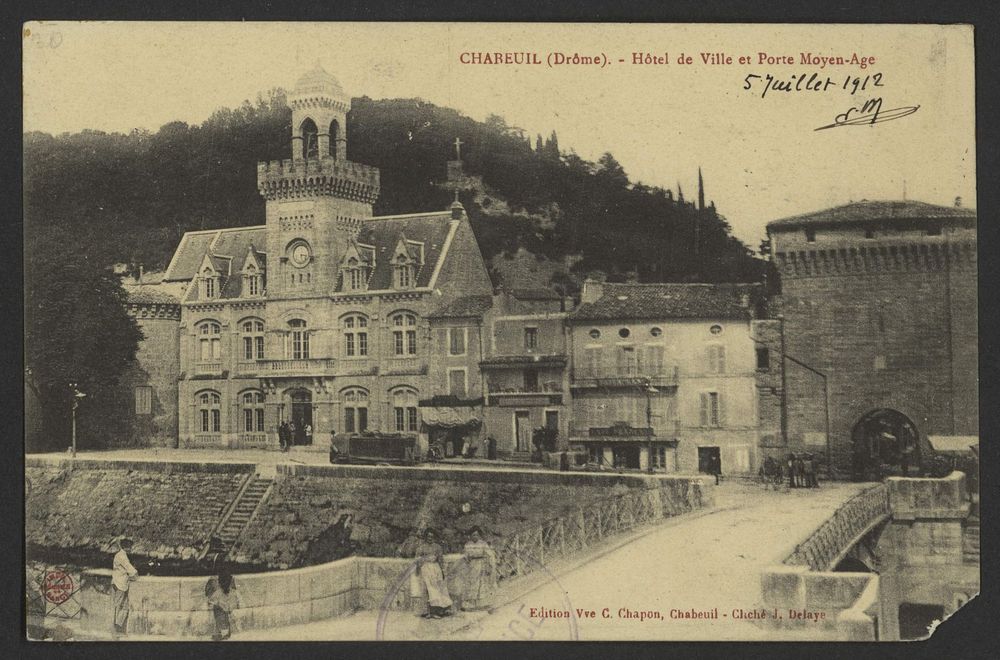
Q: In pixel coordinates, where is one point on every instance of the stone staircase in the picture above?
(246, 505)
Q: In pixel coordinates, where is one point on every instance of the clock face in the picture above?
(300, 255)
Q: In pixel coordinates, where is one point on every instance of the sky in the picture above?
(761, 156)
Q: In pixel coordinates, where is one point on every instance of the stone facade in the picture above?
(673, 366)
(321, 316)
(881, 298)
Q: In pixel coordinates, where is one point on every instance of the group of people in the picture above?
(473, 579)
(799, 469)
(220, 592)
(290, 434)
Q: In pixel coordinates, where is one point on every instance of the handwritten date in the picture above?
(814, 82)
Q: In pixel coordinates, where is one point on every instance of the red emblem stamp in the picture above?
(57, 587)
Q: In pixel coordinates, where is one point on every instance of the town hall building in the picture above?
(319, 317)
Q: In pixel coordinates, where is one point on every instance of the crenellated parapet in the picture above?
(298, 178)
(882, 258)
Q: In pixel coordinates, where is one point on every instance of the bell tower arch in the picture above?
(317, 200)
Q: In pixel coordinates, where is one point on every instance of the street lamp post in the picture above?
(77, 395)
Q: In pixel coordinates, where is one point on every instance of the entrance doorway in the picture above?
(709, 459)
(626, 456)
(884, 442)
(302, 417)
(522, 430)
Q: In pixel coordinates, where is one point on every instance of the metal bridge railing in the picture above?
(833, 537)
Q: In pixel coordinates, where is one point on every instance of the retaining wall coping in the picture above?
(151, 465)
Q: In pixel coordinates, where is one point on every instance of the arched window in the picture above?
(209, 342)
(406, 416)
(253, 411)
(404, 334)
(253, 339)
(356, 336)
(297, 348)
(310, 139)
(209, 412)
(355, 410)
(334, 134)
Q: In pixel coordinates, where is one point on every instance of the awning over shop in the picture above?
(449, 417)
(954, 443)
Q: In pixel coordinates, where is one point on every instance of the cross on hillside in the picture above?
(458, 149)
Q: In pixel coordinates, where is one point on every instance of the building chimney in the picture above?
(592, 291)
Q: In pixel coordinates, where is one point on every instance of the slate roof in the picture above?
(384, 233)
(882, 211)
(464, 307)
(664, 301)
(233, 242)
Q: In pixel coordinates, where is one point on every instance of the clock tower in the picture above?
(317, 200)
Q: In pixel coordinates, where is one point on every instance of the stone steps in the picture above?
(244, 510)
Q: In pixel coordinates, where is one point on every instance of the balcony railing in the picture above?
(306, 367)
(208, 368)
(624, 377)
(615, 432)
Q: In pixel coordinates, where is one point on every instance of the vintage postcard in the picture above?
(503, 332)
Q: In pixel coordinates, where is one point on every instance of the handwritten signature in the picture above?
(869, 113)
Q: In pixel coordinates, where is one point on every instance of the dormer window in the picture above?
(355, 275)
(209, 284)
(403, 276)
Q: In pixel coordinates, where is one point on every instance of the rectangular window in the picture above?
(530, 380)
(716, 359)
(530, 339)
(397, 342)
(216, 420)
(209, 287)
(411, 419)
(143, 400)
(659, 456)
(763, 359)
(627, 362)
(260, 418)
(349, 344)
(400, 419)
(456, 345)
(595, 454)
(552, 419)
(411, 342)
(248, 348)
(456, 383)
(711, 409)
(204, 421)
(362, 420)
(259, 341)
(934, 230)
(592, 363)
(216, 349)
(811, 235)
(253, 283)
(300, 345)
(653, 362)
(248, 419)
(348, 420)
(362, 343)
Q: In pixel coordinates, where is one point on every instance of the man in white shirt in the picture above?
(122, 573)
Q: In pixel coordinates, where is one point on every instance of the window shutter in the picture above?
(722, 408)
(721, 365)
(704, 409)
(442, 334)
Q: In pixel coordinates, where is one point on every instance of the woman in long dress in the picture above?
(430, 574)
(481, 581)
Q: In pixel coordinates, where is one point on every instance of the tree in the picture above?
(77, 330)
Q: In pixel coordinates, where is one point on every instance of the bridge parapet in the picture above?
(849, 523)
(926, 499)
